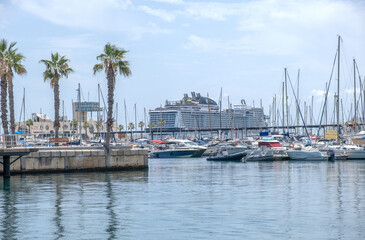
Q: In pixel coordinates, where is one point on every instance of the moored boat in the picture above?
(308, 154)
(173, 153)
(227, 157)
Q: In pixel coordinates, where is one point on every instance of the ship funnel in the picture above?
(185, 95)
(243, 102)
(193, 95)
(198, 95)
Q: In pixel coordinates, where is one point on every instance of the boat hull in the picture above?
(306, 155)
(176, 153)
(231, 157)
(199, 153)
(258, 158)
(355, 154)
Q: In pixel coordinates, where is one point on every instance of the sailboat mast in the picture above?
(286, 102)
(298, 98)
(283, 118)
(135, 116)
(325, 107)
(220, 111)
(363, 98)
(116, 116)
(355, 105)
(338, 86)
(275, 112)
(79, 112)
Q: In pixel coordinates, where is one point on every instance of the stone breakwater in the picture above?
(61, 160)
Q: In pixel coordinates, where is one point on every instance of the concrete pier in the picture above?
(80, 159)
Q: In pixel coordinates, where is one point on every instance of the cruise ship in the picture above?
(203, 113)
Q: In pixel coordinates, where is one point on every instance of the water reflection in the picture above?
(190, 199)
(9, 212)
(113, 223)
(58, 214)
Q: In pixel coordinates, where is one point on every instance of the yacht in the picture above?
(308, 153)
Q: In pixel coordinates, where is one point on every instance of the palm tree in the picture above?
(131, 127)
(120, 127)
(112, 63)
(56, 68)
(4, 60)
(85, 125)
(73, 124)
(161, 123)
(151, 125)
(14, 65)
(98, 125)
(141, 125)
(29, 123)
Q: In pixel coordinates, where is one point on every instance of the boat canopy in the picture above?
(157, 141)
(269, 144)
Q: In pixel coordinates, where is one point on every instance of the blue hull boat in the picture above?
(230, 157)
(173, 153)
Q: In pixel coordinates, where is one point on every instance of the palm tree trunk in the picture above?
(56, 123)
(4, 110)
(109, 123)
(86, 136)
(11, 104)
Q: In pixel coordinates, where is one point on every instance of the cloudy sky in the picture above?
(180, 46)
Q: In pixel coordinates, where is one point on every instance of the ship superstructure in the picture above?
(198, 113)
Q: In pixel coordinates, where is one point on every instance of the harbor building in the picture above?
(203, 113)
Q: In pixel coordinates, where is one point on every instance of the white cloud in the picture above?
(170, 1)
(350, 91)
(317, 93)
(280, 28)
(244, 45)
(110, 15)
(215, 11)
(93, 13)
(73, 42)
(158, 13)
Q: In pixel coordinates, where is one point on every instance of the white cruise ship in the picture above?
(202, 113)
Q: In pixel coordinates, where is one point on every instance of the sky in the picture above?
(183, 46)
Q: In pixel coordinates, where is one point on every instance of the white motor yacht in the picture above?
(308, 153)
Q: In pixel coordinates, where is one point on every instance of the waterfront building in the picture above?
(203, 113)
(43, 127)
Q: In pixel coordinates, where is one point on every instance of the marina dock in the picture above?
(64, 159)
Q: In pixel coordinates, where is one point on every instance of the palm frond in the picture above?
(97, 68)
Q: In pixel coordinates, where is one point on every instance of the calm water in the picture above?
(190, 199)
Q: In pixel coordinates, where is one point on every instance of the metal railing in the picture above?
(21, 140)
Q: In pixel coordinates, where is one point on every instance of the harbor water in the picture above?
(190, 199)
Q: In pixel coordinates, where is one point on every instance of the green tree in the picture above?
(86, 125)
(29, 123)
(131, 127)
(98, 125)
(4, 61)
(14, 65)
(161, 123)
(141, 125)
(56, 68)
(73, 124)
(112, 63)
(120, 128)
(150, 126)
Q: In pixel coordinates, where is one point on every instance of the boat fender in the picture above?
(291, 145)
